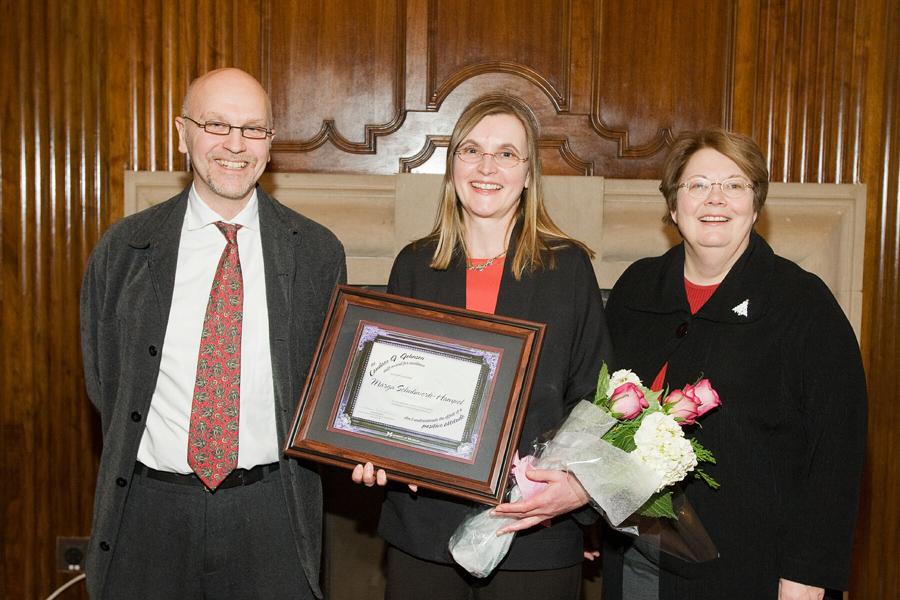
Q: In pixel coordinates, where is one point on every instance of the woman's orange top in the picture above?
(482, 287)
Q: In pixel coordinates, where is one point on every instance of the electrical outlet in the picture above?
(70, 553)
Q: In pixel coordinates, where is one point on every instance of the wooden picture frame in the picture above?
(435, 395)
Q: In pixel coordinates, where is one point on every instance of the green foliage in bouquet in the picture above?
(630, 404)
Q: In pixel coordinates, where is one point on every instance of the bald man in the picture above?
(199, 317)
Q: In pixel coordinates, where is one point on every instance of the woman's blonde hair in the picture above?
(538, 235)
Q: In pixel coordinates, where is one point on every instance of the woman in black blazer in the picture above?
(789, 436)
(494, 248)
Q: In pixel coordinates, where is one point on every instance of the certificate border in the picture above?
(430, 320)
(486, 390)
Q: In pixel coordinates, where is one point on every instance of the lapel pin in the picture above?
(741, 309)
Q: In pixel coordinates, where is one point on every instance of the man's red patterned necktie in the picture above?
(213, 433)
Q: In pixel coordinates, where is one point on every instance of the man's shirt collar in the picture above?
(200, 215)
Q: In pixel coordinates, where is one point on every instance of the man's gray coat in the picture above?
(125, 300)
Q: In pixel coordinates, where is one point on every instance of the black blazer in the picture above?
(568, 300)
(789, 436)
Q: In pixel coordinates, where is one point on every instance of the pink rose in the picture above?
(706, 397)
(627, 401)
(683, 406)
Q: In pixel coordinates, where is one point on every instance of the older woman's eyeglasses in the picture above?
(217, 128)
(505, 158)
(734, 188)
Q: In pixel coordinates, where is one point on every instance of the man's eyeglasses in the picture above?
(733, 188)
(505, 159)
(217, 128)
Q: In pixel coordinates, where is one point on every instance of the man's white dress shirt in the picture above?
(164, 444)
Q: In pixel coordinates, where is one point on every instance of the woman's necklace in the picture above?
(484, 265)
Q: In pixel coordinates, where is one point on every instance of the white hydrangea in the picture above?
(661, 445)
(622, 376)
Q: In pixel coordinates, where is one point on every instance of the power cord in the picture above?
(65, 586)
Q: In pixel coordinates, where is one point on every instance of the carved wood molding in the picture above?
(329, 133)
(560, 98)
(569, 156)
(432, 143)
(664, 138)
(436, 97)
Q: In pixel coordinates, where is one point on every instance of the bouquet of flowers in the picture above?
(627, 448)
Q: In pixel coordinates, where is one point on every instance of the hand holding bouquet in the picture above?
(627, 449)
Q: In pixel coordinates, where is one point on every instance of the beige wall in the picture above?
(819, 226)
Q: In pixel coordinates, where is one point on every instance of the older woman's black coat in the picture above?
(576, 340)
(790, 433)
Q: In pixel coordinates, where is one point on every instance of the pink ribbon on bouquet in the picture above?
(528, 487)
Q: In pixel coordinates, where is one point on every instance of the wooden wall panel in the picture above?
(615, 107)
(661, 71)
(155, 49)
(877, 544)
(817, 86)
(92, 89)
(805, 93)
(495, 36)
(51, 161)
(350, 51)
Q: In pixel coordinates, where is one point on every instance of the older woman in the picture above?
(494, 248)
(789, 436)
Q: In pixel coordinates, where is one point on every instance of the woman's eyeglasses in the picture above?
(699, 188)
(505, 159)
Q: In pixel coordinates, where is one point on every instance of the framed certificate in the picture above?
(434, 395)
